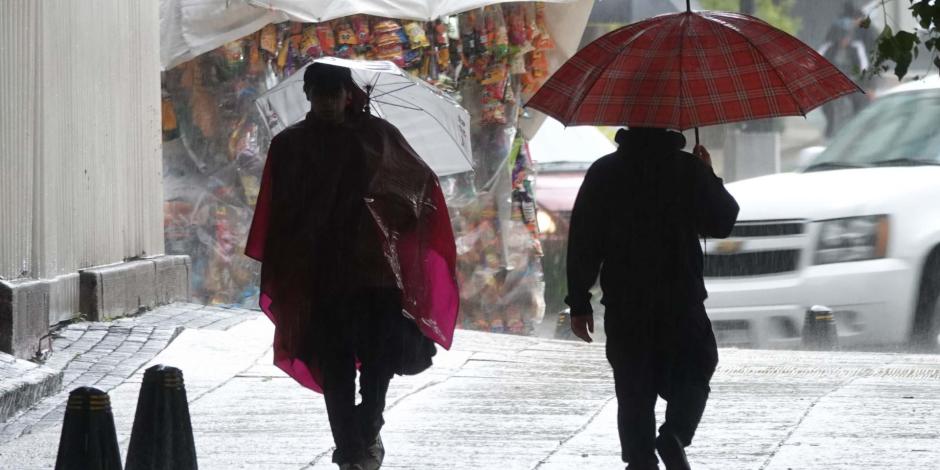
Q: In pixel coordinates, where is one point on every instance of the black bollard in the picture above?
(819, 329)
(162, 437)
(88, 440)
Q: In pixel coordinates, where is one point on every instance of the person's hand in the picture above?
(702, 153)
(581, 325)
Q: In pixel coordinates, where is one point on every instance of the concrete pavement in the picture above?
(506, 402)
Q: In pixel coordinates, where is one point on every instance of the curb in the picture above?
(23, 383)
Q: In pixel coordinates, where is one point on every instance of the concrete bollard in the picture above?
(88, 440)
(819, 329)
(162, 436)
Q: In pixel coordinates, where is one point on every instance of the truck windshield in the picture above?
(897, 130)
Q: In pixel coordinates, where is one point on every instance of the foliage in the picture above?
(775, 12)
(902, 47)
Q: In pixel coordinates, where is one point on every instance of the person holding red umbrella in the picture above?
(639, 212)
(636, 222)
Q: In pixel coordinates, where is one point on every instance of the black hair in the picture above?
(326, 79)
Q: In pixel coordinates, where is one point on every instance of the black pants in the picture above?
(366, 326)
(674, 361)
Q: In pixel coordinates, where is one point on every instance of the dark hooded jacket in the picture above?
(637, 221)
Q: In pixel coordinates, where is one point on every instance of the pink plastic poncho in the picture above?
(403, 199)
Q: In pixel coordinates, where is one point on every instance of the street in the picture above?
(503, 402)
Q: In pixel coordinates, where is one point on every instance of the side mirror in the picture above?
(807, 155)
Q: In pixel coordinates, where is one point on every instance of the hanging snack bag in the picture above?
(345, 34)
(542, 39)
(269, 39)
(360, 24)
(310, 43)
(387, 42)
(538, 64)
(327, 39)
(497, 35)
(495, 80)
(391, 51)
(412, 58)
(516, 25)
(416, 35)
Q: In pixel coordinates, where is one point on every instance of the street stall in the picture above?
(220, 57)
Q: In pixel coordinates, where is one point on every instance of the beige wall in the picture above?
(80, 159)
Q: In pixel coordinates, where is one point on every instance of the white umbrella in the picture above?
(433, 123)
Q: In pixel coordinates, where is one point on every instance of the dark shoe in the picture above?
(672, 452)
(639, 467)
(375, 455)
(651, 464)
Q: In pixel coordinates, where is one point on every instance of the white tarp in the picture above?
(189, 28)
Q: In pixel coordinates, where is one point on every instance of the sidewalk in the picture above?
(505, 402)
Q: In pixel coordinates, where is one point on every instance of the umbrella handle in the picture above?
(696, 136)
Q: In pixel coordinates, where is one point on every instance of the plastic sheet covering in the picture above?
(215, 145)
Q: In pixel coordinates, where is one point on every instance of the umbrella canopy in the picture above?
(433, 123)
(690, 69)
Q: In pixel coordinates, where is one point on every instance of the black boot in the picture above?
(672, 452)
(375, 454)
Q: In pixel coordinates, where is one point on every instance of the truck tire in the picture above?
(926, 326)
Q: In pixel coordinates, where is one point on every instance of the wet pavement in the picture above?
(506, 402)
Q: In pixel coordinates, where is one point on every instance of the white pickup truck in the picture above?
(857, 229)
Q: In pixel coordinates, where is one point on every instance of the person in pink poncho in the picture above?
(357, 259)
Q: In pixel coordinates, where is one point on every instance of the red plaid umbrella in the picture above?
(690, 69)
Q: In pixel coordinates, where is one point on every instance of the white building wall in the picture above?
(80, 159)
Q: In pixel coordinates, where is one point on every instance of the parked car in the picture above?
(857, 229)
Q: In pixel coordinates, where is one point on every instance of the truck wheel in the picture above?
(924, 335)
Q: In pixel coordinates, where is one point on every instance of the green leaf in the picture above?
(906, 40)
(887, 32)
(866, 23)
(902, 63)
(924, 12)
